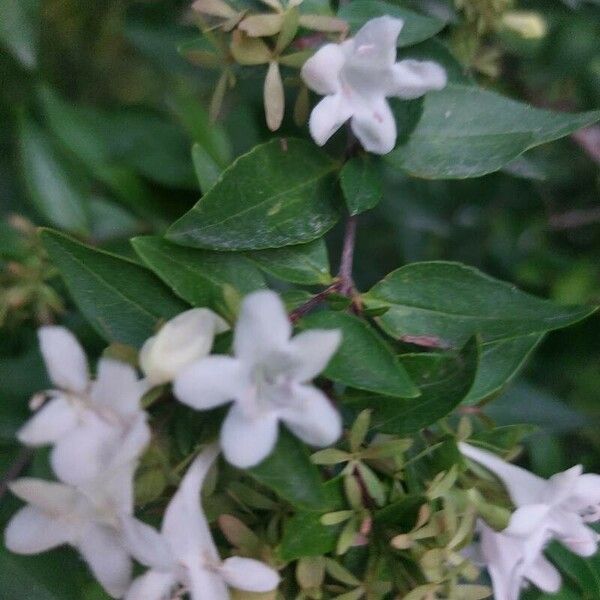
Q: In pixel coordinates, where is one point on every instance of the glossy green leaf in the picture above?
(362, 183)
(278, 194)
(289, 472)
(444, 379)
(306, 264)
(417, 27)
(19, 29)
(584, 572)
(122, 300)
(364, 360)
(456, 138)
(451, 302)
(207, 169)
(200, 277)
(56, 190)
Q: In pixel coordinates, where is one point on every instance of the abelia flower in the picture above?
(184, 552)
(180, 342)
(357, 76)
(267, 380)
(87, 518)
(94, 425)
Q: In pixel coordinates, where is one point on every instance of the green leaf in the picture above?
(54, 188)
(456, 138)
(452, 302)
(207, 169)
(585, 572)
(503, 438)
(416, 28)
(200, 277)
(500, 362)
(443, 379)
(362, 183)
(278, 194)
(306, 264)
(19, 29)
(364, 360)
(289, 472)
(122, 300)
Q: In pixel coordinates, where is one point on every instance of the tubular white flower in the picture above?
(357, 76)
(268, 381)
(184, 552)
(181, 341)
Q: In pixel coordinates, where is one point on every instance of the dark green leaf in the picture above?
(305, 264)
(444, 380)
(289, 472)
(279, 194)
(200, 277)
(585, 572)
(503, 438)
(122, 300)
(401, 515)
(416, 28)
(456, 138)
(19, 29)
(362, 183)
(207, 169)
(452, 302)
(364, 360)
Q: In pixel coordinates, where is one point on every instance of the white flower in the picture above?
(87, 518)
(357, 76)
(185, 553)
(180, 342)
(268, 382)
(557, 508)
(512, 567)
(94, 425)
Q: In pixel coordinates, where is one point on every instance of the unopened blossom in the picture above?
(184, 552)
(357, 76)
(86, 517)
(93, 424)
(180, 342)
(268, 381)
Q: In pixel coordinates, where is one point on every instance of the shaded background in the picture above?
(98, 112)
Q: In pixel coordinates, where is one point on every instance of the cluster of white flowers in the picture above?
(98, 431)
(556, 509)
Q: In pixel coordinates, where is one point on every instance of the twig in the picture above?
(347, 260)
(311, 304)
(15, 469)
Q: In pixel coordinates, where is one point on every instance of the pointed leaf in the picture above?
(362, 184)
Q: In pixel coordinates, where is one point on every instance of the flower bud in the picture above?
(528, 24)
(185, 339)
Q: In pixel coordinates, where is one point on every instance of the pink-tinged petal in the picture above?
(375, 43)
(153, 585)
(54, 498)
(413, 78)
(312, 350)
(328, 116)
(64, 357)
(249, 575)
(375, 127)
(312, 417)
(571, 531)
(50, 423)
(248, 439)
(263, 326)
(31, 531)
(524, 487)
(544, 575)
(117, 388)
(321, 72)
(103, 550)
(184, 526)
(146, 544)
(211, 382)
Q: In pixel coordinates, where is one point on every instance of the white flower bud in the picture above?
(181, 341)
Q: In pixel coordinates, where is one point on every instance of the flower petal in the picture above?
(328, 116)
(31, 531)
(49, 496)
(205, 584)
(374, 125)
(527, 519)
(544, 575)
(117, 388)
(413, 78)
(248, 440)
(312, 350)
(211, 382)
(321, 72)
(153, 585)
(524, 487)
(311, 416)
(571, 531)
(249, 575)
(375, 43)
(263, 326)
(585, 497)
(64, 357)
(146, 544)
(103, 550)
(50, 423)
